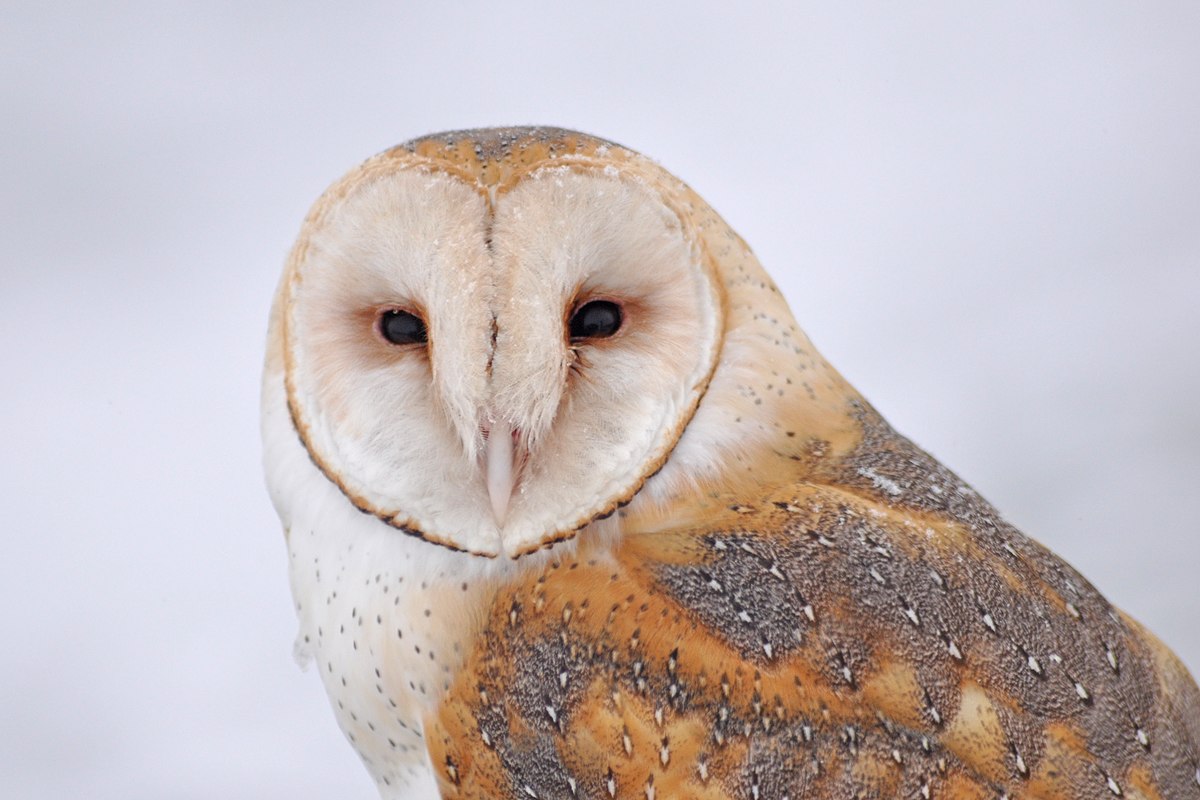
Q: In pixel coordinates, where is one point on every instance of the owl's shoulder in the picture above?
(856, 632)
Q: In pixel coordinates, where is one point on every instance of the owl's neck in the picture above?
(775, 411)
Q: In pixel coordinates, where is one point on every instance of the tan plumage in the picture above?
(769, 594)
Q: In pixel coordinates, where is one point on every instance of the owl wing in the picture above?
(831, 639)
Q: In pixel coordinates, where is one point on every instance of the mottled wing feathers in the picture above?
(875, 631)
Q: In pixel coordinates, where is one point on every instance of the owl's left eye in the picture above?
(402, 327)
(598, 319)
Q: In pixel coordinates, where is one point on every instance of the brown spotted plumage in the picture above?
(821, 639)
(790, 600)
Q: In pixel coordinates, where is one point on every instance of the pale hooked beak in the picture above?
(501, 471)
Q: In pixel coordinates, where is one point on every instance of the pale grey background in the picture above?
(988, 219)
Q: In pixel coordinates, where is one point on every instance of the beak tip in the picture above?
(499, 508)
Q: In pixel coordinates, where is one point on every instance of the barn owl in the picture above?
(574, 509)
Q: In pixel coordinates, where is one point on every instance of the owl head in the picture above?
(490, 339)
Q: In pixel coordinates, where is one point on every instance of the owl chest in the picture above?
(387, 633)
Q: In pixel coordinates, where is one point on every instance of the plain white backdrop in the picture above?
(987, 218)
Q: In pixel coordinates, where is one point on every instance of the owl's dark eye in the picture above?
(402, 327)
(598, 319)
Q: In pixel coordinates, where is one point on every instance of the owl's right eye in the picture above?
(402, 327)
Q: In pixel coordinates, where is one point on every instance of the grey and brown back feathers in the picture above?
(873, 630)
(779, 598)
